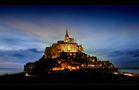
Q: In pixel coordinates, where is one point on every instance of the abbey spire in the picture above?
(66, 35)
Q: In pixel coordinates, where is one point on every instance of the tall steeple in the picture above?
(67, 35)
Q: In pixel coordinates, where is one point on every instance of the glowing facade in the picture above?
(73, 58)
(67, 45)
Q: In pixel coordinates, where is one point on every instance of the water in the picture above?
(136, 71)
(10, 70)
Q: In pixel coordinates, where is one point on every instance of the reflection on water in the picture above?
(10, 70)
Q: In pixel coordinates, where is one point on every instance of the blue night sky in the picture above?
(108, 32)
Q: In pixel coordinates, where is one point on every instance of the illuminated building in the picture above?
(65, 55)
(67, 45)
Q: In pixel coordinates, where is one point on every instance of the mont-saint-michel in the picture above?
(68, 55)
(66, 62)
(99, 45)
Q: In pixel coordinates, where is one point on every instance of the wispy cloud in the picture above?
(120, 58)
(17, 59)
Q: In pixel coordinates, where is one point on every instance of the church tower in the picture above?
(67, 35)
(67, 38)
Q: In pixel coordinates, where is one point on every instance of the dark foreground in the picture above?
(83, 76)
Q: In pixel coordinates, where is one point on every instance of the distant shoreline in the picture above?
(129, 68)
(4, 71)
(10, 73)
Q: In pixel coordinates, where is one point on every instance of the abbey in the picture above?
(66, 55)
(67, 45)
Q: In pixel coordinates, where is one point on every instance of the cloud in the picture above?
(120, 58)
(125, 58)
(130, 53)
(37, 29)
(7, 64)
(134, 53)
(15, 41)
(19, 58)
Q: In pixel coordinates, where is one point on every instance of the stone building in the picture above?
(67, 45)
